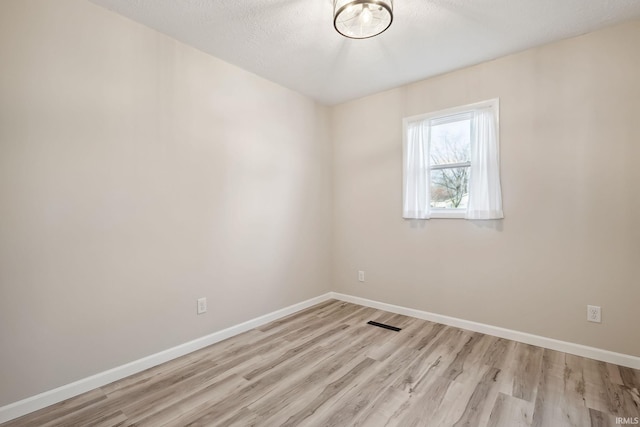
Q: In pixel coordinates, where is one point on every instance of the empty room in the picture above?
(320, 213)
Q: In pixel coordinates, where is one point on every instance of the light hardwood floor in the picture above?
(325, 366)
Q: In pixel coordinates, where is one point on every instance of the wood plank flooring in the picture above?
(325, 366)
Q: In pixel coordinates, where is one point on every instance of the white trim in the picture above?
(439, 213)
(488, 103)
(523, 337)
(42, 400)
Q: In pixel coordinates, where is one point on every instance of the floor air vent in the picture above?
(382, 325)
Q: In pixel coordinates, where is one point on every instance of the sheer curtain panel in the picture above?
(416, 171)
(485, 193)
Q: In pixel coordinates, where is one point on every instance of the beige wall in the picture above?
(136, 175)
(570, 146)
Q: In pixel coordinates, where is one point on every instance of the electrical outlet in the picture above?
(593, 314)
(202, 305)
(361, 276)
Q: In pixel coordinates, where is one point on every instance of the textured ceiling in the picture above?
(293, 43)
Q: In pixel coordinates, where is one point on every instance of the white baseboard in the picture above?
(523, 337)
(42, 400)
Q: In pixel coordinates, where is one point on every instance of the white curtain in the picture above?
(416, 171)
(485, 194)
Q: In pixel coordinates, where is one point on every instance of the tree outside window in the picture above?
(449, 157)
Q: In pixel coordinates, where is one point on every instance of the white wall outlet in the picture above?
(202, 305)
(593, 314)
(361, 276)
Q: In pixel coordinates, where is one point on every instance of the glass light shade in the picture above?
(361, 19)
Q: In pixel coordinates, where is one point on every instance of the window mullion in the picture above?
(450, 166)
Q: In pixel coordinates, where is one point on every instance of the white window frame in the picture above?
(494, 104)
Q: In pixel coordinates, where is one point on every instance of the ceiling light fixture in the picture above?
(361, 19)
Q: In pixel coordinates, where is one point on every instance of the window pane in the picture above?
(450, 188)
(450, 142)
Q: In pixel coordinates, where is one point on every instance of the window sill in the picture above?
(447, 214)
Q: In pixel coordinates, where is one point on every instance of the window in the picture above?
(449, 161)
(451, 164)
